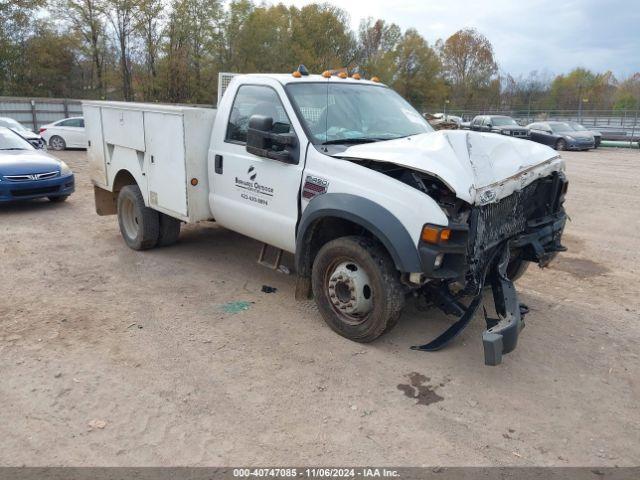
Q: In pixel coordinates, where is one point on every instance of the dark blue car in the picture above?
(26, 172)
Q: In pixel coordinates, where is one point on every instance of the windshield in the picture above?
(12, 141)
(354, 113)
(12, 124)
(577, 127)
(501, 121)
(560, 127)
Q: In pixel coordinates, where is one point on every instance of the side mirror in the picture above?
(261, 140)
(488, 125)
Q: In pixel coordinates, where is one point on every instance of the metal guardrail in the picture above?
(35, 112)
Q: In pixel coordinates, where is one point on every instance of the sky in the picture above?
(548, 36)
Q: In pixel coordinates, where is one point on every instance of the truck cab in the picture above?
(346, 175)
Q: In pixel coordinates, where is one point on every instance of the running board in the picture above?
(262, 258)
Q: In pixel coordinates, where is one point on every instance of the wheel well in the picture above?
(324, 230)
(122, 179)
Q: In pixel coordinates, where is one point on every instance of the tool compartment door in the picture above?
(165, 157)
(95, 150)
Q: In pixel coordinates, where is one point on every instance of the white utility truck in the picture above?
(346, 175)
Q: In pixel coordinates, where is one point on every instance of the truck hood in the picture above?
(479, 167)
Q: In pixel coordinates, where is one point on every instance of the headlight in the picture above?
(64, 169)
(569, 137)
(506, 132)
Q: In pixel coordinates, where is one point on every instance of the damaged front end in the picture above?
(483, 243)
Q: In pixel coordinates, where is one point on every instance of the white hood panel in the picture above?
(479, 167)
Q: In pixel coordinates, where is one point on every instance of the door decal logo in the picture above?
(250, 187)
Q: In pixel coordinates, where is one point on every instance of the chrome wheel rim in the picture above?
(349, 291)
(57, 143)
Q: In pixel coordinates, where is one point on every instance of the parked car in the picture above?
(561, 136)
(499, 124)
(32, 137)
(65, 133)
(27, 173)
(597, 136)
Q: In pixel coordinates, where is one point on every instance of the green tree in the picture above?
(418, 70)
(469, 65)
(377, 42)
(265, 42)
(16, 27)
(321, 37)
(86, 22)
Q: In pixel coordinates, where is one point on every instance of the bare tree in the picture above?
(121, 15)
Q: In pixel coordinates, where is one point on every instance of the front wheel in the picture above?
(561, 144)
(139, 224)
(357, 288)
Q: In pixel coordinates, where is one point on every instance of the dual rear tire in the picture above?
(142, 227)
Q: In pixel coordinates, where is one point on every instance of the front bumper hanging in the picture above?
(501, 336)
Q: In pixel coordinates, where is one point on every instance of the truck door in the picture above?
(252, 195)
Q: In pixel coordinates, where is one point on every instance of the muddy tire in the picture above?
(169, 230)
(139, 225)
(357, 288)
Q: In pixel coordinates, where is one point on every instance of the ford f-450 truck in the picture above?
(346, 175)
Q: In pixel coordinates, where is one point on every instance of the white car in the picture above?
(33, 138)
(66, 133)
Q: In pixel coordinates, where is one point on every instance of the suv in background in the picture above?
(499, 124)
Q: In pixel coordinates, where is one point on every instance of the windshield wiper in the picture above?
(339, 141)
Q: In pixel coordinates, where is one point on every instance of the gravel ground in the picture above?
(115, 357)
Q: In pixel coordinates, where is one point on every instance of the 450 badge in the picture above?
(254, 191)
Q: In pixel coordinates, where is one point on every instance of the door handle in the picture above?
(218, 164)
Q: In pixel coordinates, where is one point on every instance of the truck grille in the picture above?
(494, 223)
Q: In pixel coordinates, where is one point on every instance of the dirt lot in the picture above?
(115, 357)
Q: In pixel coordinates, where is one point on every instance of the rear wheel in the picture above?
(169, 230)
(57, 143)
(357, 288)
(561, 144)
(139, 225)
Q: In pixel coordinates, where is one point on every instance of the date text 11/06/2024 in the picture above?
(315, 472)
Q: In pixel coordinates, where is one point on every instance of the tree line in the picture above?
(172, 51)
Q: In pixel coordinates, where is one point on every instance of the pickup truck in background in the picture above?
(346, 175)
